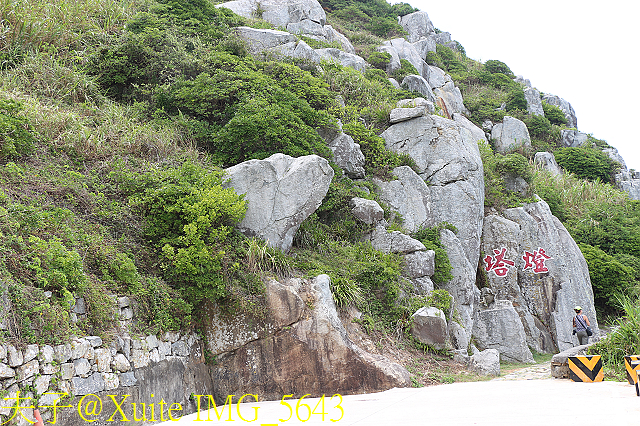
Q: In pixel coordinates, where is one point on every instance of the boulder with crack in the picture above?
(281, 192)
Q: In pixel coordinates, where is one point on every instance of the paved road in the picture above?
(536, 402)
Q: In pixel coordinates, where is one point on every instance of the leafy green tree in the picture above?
(554, 114)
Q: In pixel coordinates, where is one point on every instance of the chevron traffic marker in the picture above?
(586, 368)
(632, 377)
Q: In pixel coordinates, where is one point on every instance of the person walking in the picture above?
(580, 324)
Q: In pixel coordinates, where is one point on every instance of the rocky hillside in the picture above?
(247, 195)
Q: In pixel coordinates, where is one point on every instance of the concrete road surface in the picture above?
(517, 402)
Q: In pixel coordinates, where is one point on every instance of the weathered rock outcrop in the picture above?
(417, 25)
(399, 49)
(347, 155)
(565, 106)
(532, 261)
(510, 135)
(573, 138)
(429, 326)
(499, 327)
(547, 161)
(448, 158)
(367, 211)
(281, 192)
(294, 15)
(630, 183)
(314, 356)
(417, 83)
(410, 196)
(534, 103)
(342, 58)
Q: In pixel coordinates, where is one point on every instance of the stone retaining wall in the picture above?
(39, 375)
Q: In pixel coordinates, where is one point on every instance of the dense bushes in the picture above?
(586, 163)
(554, 114)
(498, 170)
(609, 278)
(16, 133)
(189, 221)
(430, 237)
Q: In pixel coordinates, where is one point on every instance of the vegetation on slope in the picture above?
(117, 116)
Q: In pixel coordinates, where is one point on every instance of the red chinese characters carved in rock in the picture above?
(536, 260)
(498, 264)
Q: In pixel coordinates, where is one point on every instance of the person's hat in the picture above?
(577, 309)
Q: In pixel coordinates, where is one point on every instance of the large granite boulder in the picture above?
(476, 132)
(348, 156)
(534, 102)
(408, 195)
(289, 14)
(510, 135)
(417, 25)
(332, 36)
(417, 83)
(547, 161)
(394, 241)
(264, 40)
(461, 287)
(615, 156)
(343, 58)
(565, 106)
(429, 326)
(486, 363)
(314, 356)
(367, 211)
(227, 331)
(532, 261)
(629, 182)
(573, 138)
(499, 327)
(451, 98)
(281, 192)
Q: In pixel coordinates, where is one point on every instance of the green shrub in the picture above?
(16, 133)
(538, 126)
(609, 278)
(497, 167)
(406, 68)
(514, 164)
(189, 219)
(554, 114)
(430, 237)
(586, 163)
(623, 340)
(493, 66)
(450, 60)
(379, 60)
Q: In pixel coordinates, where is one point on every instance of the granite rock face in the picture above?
(499, 327)
(534, 102)
(418, 25)
(281, 192)
(532, 261)
(573, 138)
(448, 158)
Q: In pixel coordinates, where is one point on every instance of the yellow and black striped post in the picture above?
(638, 383)
(632, 377)
(585, 368)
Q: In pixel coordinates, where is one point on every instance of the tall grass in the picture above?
(578, 197)
(623, 340)
(30, 24)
